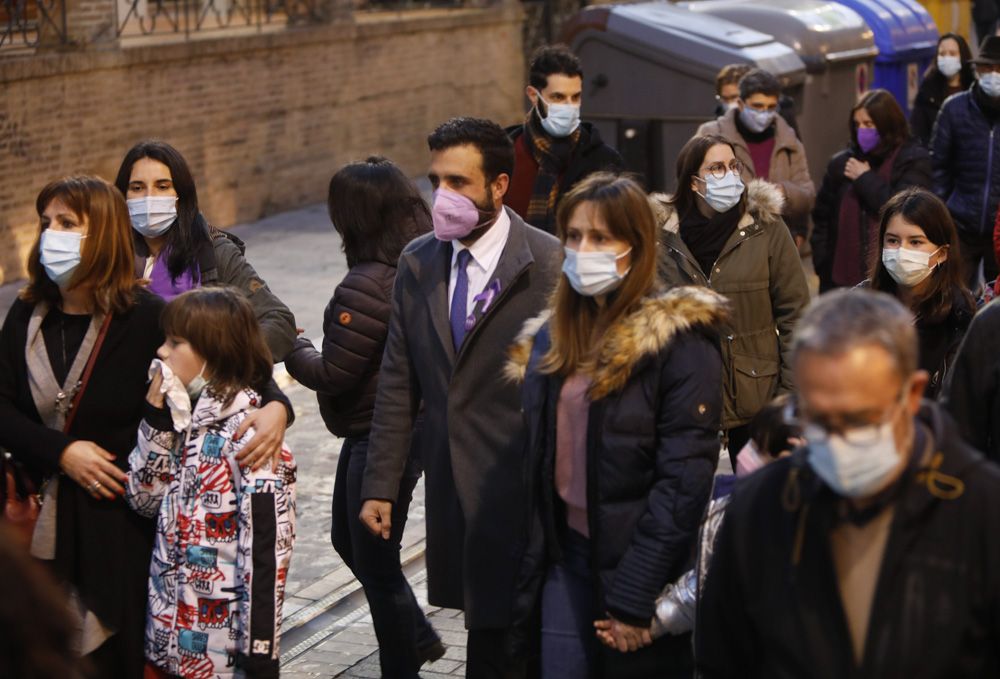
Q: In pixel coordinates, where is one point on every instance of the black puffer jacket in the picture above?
(771, 606)
(972, 391)
(652, 448)
(966, 153)
(912, 167)
(345, 375)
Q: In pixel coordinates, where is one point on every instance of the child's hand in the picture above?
(154, 396)
(269, 425)
(628, 637)
(603, 628)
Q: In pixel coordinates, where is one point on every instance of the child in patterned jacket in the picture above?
(224, 532)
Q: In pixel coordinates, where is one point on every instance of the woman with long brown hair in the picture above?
(74, 351)
(881, 160)
(622, 395)
(921, 265)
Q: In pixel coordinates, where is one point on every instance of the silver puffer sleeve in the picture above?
(676, 605)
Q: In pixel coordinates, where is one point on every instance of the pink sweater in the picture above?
(571, 450)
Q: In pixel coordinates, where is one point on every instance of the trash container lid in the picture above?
(821, 32)
(903, 28)
(684, 36)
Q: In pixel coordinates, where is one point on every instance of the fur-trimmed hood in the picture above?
(644, 332)
(764, 204)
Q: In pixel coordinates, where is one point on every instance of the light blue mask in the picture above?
(60, 255)
(990, 82)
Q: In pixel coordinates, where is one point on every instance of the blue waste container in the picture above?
(906, 38)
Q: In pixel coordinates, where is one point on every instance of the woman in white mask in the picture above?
(949, 73)
(622, 395)
(178, 250)
(720, 234)
(921, 267)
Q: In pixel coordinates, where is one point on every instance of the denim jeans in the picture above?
(569, 644)
(400, 625)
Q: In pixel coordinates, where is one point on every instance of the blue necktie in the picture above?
(459, 299)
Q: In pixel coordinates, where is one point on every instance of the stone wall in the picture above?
(263, 119)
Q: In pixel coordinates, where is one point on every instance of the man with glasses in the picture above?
(767, 147)
(872, 550)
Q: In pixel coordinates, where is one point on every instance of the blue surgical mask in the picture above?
(756, 121)
(152, 216)
(59, 253)
(949, 66)
(593, 273)
(990, 82)
(197, 384)
(722, 194)
(855, 464)
(561, 119)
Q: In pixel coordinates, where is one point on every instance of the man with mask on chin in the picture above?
(462, 293)
(768, 147)
(872, 550)
(553, 150)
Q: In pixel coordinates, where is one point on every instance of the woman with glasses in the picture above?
(921, 266)
(881, 161)
(718, 233)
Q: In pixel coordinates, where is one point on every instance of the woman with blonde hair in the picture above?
(622, 395)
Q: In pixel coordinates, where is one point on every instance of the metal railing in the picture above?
(190, 18)
(29, 23)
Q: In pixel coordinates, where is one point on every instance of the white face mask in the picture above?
(722, 194)
(152, 216)
(593, 273)
(990, 82)
(562, 119)
(907, 267)
(756, 121)
(854, 464)
(59, 254)
(949, 66)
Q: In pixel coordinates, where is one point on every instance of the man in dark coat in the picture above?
(965, 149)
(871, 552)
(553, 150)
(456, 308)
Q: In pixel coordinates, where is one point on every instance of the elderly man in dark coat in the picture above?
(461, 296)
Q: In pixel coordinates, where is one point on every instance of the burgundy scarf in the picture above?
(857, 234)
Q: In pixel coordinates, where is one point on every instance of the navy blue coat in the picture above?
(652, 449)
(965, 151)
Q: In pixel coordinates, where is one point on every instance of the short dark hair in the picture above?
(549, 59)
(489, 139)
(220, 325)
(758, 81)
(730, 75)
(188, 234)
(922, 208)
(376, 210)
(889, 119)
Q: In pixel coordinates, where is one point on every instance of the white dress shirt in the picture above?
(485, 255)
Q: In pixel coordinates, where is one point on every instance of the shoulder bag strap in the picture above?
(71, 415)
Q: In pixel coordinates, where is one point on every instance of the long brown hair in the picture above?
(922, 208)
(889, 119)
(221, 327)
(107, 260)
(577, 319)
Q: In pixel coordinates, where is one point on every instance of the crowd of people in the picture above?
(564, 358)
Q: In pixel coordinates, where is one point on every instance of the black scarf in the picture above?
(706, 236)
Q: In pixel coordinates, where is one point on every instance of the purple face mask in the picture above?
(455, 216)
(868, 138)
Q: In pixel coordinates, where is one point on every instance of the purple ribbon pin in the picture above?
(486, 297)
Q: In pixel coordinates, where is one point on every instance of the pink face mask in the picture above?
(455, 216)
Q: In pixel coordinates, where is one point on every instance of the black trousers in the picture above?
(486, 657)
(976, 248)
(400, 625)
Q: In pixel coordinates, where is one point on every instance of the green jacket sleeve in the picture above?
(789, 293)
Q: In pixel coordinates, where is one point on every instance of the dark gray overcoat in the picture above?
(473, 432)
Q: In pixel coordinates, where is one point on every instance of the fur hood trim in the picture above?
(764, 203)
(644, 332)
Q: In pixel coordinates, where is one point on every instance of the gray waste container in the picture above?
(649, 76)
(838, 49)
